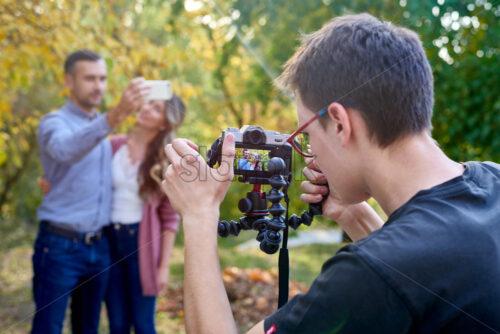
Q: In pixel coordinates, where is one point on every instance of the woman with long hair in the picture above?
(143, 224)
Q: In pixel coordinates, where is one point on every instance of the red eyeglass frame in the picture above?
(291, 140)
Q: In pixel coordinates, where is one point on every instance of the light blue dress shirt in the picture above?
(76, 160)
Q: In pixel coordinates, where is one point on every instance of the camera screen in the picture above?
(251, 159)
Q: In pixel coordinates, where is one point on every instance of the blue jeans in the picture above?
(60, 265)
(125, 302)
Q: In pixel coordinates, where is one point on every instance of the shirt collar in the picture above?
(73, 108)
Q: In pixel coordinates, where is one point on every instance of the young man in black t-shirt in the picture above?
(364, 94)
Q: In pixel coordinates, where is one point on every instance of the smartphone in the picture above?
(160, 90)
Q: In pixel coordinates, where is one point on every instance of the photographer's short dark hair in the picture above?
(69, 64)
(374, 67)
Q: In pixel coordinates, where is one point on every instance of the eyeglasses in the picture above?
(300, 140)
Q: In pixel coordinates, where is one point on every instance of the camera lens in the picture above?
(254, 135)
(214, 153)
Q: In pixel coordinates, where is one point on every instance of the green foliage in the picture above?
(222, 57)
(461, 39)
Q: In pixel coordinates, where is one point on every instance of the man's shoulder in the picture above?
(349, 295)
(486, 167)
(55, 114)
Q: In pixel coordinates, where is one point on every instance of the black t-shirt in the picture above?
(434, 267)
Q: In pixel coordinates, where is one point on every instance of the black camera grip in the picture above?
(315, 209)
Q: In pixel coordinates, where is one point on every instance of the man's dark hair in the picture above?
(77, 56)
(374, 67)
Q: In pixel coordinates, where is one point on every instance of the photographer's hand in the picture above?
(191, 185)
(357, 220)
(195, 192)
(132, 98)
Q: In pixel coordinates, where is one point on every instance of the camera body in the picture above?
(255, 147)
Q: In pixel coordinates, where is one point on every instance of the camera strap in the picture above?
(283, 267)
(284, 261)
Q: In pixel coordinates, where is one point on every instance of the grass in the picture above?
(16, 249)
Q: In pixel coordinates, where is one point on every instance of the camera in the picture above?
(261, 157)
(255, 150)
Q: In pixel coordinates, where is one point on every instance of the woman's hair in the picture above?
(155, 153)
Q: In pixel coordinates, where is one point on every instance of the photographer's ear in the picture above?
(340, 122)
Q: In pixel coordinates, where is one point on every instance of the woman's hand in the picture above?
(162, 278)
(44, 185)
(193, 188)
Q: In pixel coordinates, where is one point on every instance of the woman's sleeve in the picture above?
(117, 141)
(168, 217)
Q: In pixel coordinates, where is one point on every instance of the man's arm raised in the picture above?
(131, 100)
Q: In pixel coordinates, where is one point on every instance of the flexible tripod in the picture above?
(254, 208)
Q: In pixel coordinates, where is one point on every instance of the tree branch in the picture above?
(11, 179)
(225, 91)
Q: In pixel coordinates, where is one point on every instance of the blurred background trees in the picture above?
(221, 57)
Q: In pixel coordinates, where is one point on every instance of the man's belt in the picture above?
(88, 238)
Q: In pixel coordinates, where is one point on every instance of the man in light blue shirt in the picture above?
(76, 160)
(244, 161)
(70, 249)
